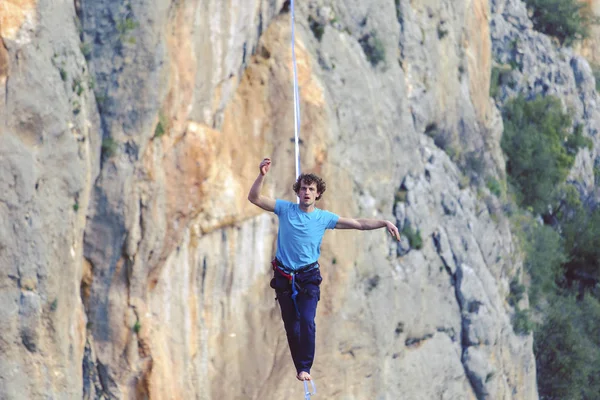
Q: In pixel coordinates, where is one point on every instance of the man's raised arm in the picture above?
(266, 203)
(367, 224)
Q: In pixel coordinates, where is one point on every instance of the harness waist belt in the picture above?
(288, 271)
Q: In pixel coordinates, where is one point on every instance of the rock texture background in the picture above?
(132, 265)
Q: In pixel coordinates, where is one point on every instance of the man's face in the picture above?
(308, 193)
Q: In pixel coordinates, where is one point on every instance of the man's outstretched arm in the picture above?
(367, 224)
(266, 203)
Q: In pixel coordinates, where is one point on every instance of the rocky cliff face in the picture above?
(133, 265)
(532, 65)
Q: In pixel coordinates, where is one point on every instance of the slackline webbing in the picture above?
(307, 393)
(296, 97)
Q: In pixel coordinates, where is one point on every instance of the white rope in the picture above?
(307, 393)
(296, 97)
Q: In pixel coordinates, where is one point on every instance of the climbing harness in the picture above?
(307, 393)
(291, 276)
(296, 97)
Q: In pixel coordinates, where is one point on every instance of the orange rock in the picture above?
(13, 14)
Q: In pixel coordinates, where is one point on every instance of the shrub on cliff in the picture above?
(373, 48)
(567, 335)
(537, 147)
(567, 350)
(563, 264)
(567, 20)
(544, 256)
(581, 232)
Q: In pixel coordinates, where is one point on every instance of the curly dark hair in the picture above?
(310, 179)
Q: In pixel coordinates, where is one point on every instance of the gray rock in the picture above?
(479, 371)
(403, 246)
(449, 204)
(30, 312)
(400, 214)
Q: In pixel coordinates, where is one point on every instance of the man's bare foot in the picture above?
(303, 376)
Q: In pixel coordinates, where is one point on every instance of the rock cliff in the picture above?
(132, 265)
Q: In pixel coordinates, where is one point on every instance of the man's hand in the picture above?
(367, 224)
(265, 165)
(393, 230)
(266, 203)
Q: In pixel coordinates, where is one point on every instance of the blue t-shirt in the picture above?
(300, 233)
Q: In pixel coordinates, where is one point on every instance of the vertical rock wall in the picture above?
(133, 265)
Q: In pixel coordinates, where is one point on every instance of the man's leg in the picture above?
(291, 324)
(307, 305)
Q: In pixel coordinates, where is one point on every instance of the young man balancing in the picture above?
(296, 276)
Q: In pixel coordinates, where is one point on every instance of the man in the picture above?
(296, 276)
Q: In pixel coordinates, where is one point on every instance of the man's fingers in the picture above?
(264, 166)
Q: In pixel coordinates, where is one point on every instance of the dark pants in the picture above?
(300, 329)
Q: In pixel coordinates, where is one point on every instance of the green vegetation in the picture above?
(577, 141)
(521, 321)
(413, 236)
(373, 48)
(562, 259)
(538, 149)
(77, 86)
(317, 28)
(501, 75)
(494, 186)
(596, 72)
(86, 49)
(161, 126)
(401, 195)
(567, 350)
(109, 147)
(567, 20)
(517, 290)
(125, 27)
(137, 326)
(567, 340)
(473, 163)
(100, 98)
(545, 256)
(581, 234)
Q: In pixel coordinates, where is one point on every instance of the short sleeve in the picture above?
(281, 206)
(332, 219)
